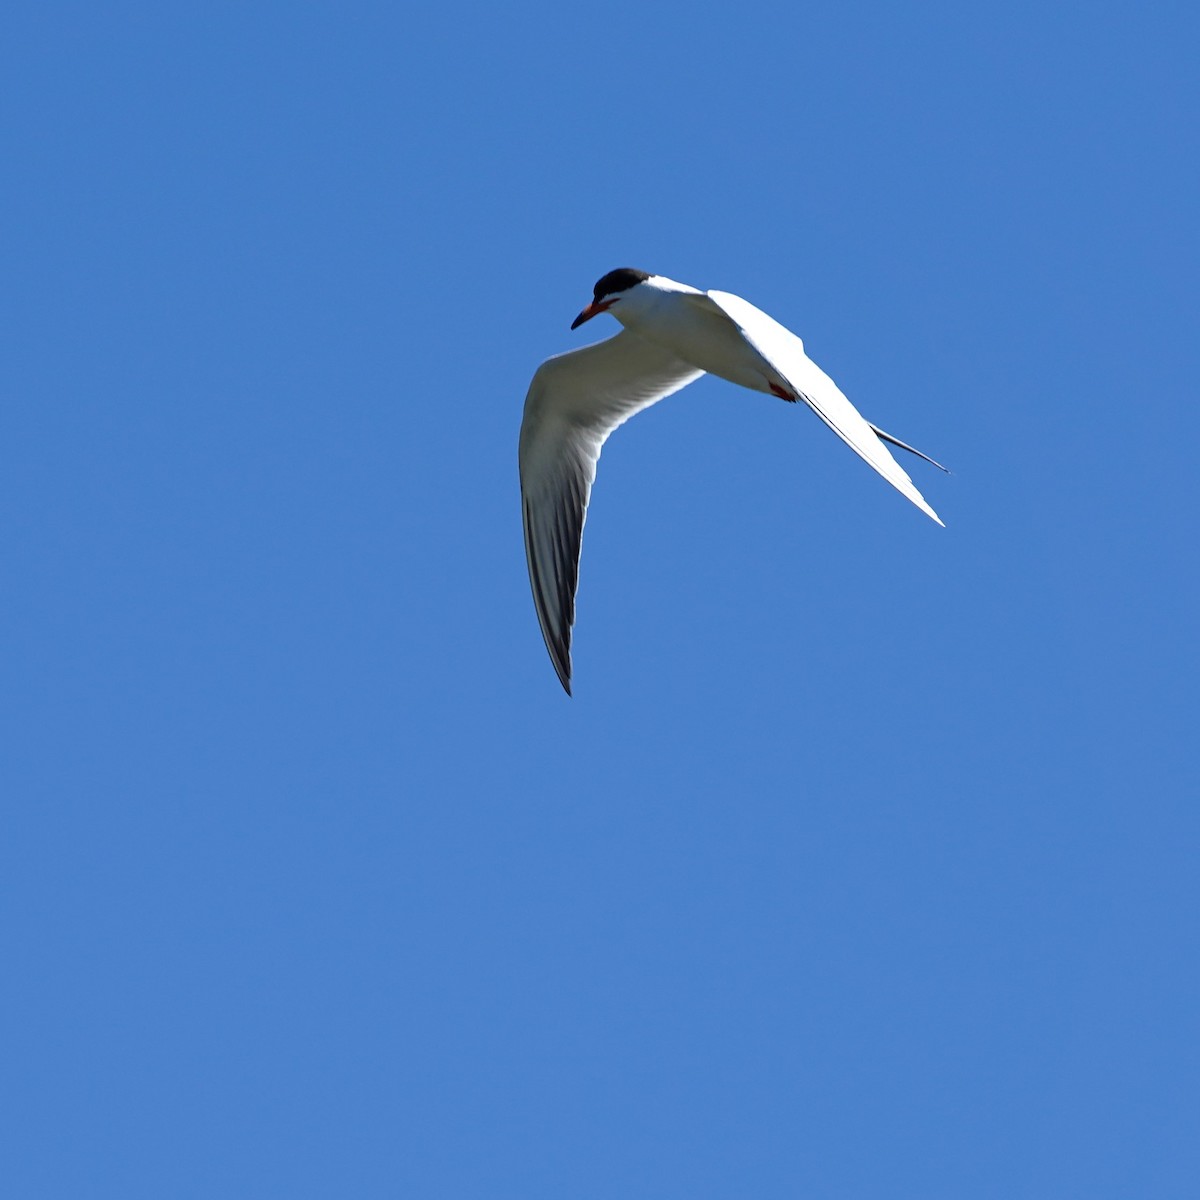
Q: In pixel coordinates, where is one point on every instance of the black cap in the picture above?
(620, 280)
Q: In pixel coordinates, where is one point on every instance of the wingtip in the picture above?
(563, 671)
(910, 493)
(924, 507)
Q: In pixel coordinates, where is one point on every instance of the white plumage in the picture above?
(673, 334)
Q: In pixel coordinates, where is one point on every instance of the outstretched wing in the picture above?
(784, 351)
(575, 401)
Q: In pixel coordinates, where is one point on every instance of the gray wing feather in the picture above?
(574, 402)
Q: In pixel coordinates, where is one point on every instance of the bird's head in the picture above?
(609, 290)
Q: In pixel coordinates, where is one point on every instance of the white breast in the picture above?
(686, 322)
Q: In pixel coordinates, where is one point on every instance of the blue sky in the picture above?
(863, 862)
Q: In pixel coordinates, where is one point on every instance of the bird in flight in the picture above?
(672, 335)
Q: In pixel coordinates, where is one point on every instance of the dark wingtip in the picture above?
(564, 678)
(562, 666)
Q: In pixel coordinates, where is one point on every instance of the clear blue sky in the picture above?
(864, 862)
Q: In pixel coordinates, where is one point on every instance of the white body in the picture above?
(673, 334)
(692, 326)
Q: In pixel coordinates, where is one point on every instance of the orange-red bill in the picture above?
(593, 309)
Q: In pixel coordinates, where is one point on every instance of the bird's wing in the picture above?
(784, 351)
(575, 401)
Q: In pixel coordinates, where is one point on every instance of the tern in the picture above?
(672, 335)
